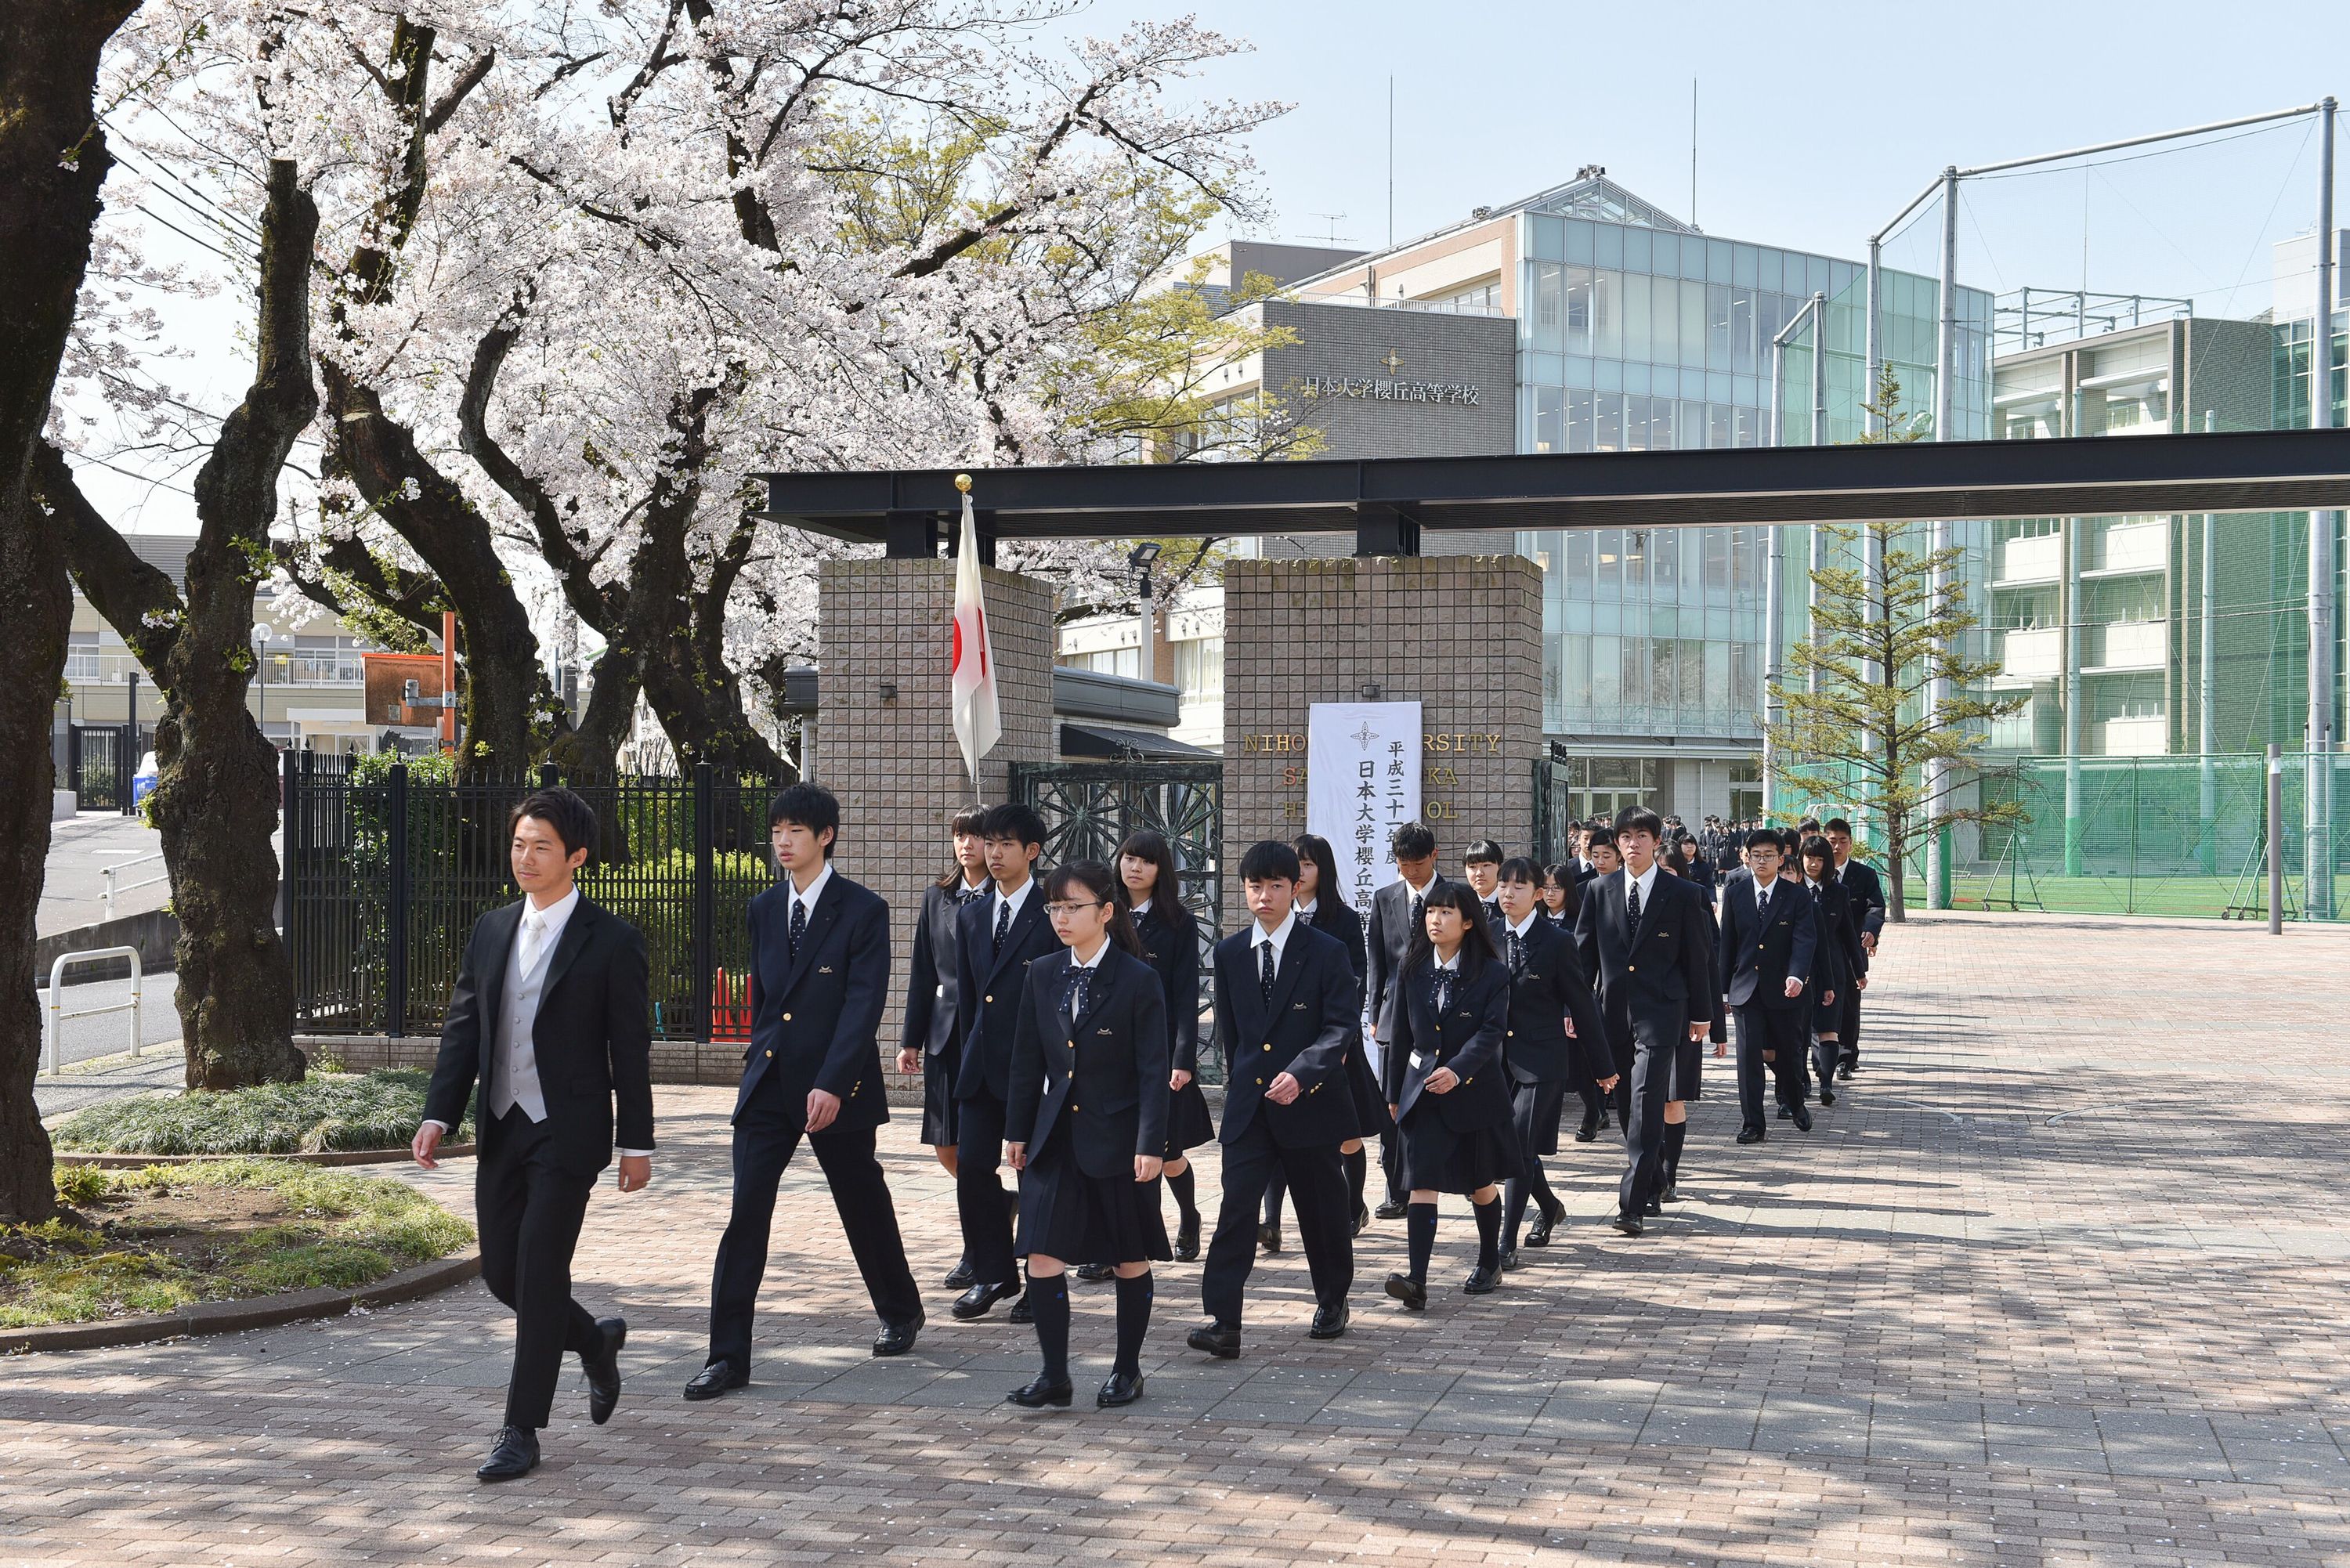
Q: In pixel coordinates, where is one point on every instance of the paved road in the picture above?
(73, 879)
(2059, 1281)
(84, 1034)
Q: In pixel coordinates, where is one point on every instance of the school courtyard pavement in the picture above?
(2063, 1279)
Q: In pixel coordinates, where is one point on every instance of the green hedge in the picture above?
(325, 1111)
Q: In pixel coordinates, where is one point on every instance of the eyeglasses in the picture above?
(1065, 907)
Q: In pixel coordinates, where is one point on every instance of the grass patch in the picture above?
(325, 1111)
(165, 1237)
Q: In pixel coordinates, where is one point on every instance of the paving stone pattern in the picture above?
(2059, 1281)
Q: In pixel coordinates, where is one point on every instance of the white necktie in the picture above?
(534, 932)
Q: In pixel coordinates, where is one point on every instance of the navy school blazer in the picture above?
(1467, 1038)
(1172, 948)
(1304, 1032)
(1103, 1069)
(1548, 992)
(814, 1021)
(987, 990)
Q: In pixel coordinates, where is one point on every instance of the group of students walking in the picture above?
(1053, 1021)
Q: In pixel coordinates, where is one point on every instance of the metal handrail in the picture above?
(106, 897)
(56, 1013)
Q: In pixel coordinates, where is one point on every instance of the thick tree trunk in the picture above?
(53, 160)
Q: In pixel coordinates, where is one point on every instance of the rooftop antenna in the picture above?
(1334, 238)
(1693, 152)
(1390, 163)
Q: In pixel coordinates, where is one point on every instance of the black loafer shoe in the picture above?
(1121, 1388)
(1629, 1224)
(1785, 1113)
(1268, 1239)
(516, 1454)
(1482, 1281)
(1827, 1095)
(960, 1277)
(1671, 1192)
(1093, 1273)
(1391, 1210)
(1750, 1135)
(604, 1368)
(897, 1338)
(1408, 1291)
(1803, 1117)
(1510, 1258)
(1187, 1241)
(718, 1377)
(1220, 1340)
(1040, 1392)
(1652, 1208)
(1846, 1070)
(1362, 1219)
(977, 1301)
(1023, 1311)
(1329, 1321)
(1586, 1132)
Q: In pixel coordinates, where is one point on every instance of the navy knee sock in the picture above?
(1186, 1204)
(1515, 1212)
(1420, 1228)
(1049, 1298)
(1489, 1233)
(1358, 1166)
(1133, 1322)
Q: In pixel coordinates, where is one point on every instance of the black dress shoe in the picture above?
(1023, 1311)
(1121, 1388)
(1187, 1239)
(1362, 1219)
(1750, 1135)
(1268, 1239)
(1510, 1258)
(718, 1377)
(1827, 1095)
(1785, 1113)
(1538, 1233)
(1803, 1117)
(1652, 1208)
(1329, 1321)
(1393, 1209)
(897, 1338)
(1220, 1340)
(1629, 1224)
(960, 1277)
(1846, 1070)
(604, 1368)
(1408, 1291)
(516, 1454)
(1671, 1192)
(1482, 1281)
(977, 1301)
(1041, 1391)
(1093, 1273)
(1586, 1132)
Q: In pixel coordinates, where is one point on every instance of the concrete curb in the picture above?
(319, 1156)
(233, 1317)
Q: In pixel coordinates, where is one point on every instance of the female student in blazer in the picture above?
(1451, 1091)
(929, 1044)
(1150, 893)
(1840, 963)
(1085, 1123)
(1323, 907)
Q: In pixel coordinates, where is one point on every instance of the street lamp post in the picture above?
(262, 633)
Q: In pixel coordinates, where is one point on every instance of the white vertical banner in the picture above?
(1362, 783)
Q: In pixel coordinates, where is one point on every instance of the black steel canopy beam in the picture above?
(2257, 470)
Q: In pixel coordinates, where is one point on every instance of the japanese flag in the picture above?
(977, 720)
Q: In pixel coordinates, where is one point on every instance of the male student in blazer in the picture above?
(550, 1020)
(819, 975)
(1554, 1039)
(1769, 934)
(1396, 909)
(1861, 885)
(996, 938)
(1642, 935)
(1285, 1006)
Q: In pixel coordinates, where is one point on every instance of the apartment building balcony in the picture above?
(2132, 645)
(2027, 654)
(2032, 560)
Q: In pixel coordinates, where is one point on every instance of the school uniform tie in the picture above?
(1003, 924)
(1763, 904)
(798, 928)
(1419, 910)
(1443, 992)
(1632, 908)
(1078, 974)
(1517, 955)
(1265, 971)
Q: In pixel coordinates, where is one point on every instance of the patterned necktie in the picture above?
(798, 928)
(1762, 903)
(1265, 971)
(1078, 975)
(1419, 910)
(1444, 990)
(1517, 955)
(1632, 908)
(1003, 924)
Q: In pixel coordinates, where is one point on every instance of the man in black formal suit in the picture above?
(1643, 933)
(1285, 1006)
(996, 938)
(550, 1019)
(819, 974)
(1396, 910)
(1769, 932)
(1862, 885)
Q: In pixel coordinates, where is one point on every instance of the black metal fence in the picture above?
(1090, 807)
(100, 762)
(388, 865)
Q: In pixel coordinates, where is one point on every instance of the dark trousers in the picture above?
(1780, 1030)
(1391, 1145)
(766, 1135)
(1317, 1191)
(1644, 1118)
(1849, 1026)
(979, 1191)
(528, 1210)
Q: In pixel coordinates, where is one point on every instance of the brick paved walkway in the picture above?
(2062, 1281)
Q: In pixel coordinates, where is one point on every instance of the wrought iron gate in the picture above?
(1090, 807)
(100, 761)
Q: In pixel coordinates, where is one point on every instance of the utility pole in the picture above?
(2317, 781)
(1938, 690)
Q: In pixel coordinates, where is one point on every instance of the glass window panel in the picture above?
(1636, 249)
(1692, 332)
(1578, 561)
(1578, 370)
(1690, 655)
(1637, 373)
(1606, 673)
(1718, 427)
(1741, 330)
(1815, 274)
(1665, 322)
(1634, 670)
(1665, 561)
(1574, 674)
(1576, 285)
(1549, 312)
(1609, 374)
(1717, 326)
(1636, 563)
(1636, 422)
(1548, 239)
(1580, 418)
(1664, 690)
(1749, 431)
(1766, 269)
(1665, 254)
(1744, 262)
(1716, 261)
(1578, 240)
(1636, 337)
(1608, 244)
(1716, 546)
(1664, 381)
(1550, 419)
(1717, 675)
(1606, 320)
(1610, 437)
(1609, 544)
(1660, 424)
